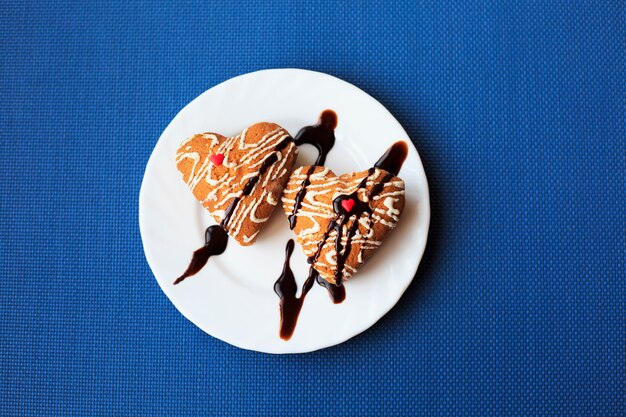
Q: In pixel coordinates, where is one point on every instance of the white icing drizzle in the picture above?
(389, 194)
(255, 206)
(248, 239)
(391, 210)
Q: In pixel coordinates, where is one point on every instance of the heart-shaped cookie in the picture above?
(240, 179)
(341, 220)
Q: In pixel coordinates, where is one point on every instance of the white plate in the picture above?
(232, 298)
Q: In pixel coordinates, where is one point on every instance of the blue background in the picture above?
(517, 109)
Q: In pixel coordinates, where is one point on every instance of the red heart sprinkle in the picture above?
(347, 204)
(217, 159)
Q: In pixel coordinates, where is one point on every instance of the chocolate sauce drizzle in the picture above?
(337, 293)
(247, 189)
(215, 241)
(321, 135)
(392, 160)
(299, 197)
(286, 289)
(215, 236)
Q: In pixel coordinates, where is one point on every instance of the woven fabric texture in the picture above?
(517, 109)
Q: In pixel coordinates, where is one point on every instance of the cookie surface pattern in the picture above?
(239, 179)
(316, 219)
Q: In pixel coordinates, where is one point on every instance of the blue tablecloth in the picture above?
(517, 109)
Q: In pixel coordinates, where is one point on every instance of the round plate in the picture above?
(232, 298)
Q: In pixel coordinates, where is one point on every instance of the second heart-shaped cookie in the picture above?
(239, 179)
(341, 220)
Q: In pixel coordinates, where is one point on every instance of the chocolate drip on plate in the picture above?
(215, 241)
(392, 160)
(337, 293)
(286, 289)
(321, 135)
